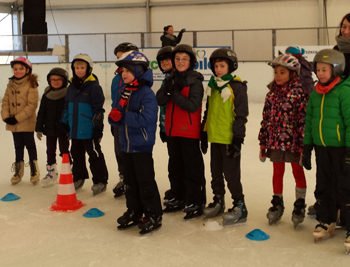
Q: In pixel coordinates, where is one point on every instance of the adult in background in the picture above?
(343, 42)
(168, 38)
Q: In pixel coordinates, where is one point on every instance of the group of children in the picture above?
(295, 122)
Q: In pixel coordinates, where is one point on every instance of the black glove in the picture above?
(183, 30)
(97, 135)
(163, 136)
(168, 85)
(234, 150)
(204, 142)
(11, 121)
(307, 156)
(97, 120)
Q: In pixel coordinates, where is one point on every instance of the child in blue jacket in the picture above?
(135, 114)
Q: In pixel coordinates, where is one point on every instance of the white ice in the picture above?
(32, 235)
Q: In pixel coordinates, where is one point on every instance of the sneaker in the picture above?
(79, 184)
(98, 188)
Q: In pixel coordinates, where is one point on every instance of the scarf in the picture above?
(220, 84)
(343, 44)
(324, 89)
(55, 94)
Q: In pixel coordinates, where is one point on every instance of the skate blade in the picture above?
(123, 227)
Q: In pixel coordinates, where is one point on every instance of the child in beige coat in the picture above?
(18, 112)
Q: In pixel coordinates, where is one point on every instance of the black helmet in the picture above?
(184, 48)
(164, 53)
(59, 72)
(125, 47)
(227, 54)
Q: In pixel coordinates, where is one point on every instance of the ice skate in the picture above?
(192, 211)
(168, 195)
(18, 169)
(347, 243)
(34, 172)
(128, 219)
(98, 188)
(323, 231)
(149, 224)
(51, 177)
(79, 184)
(238, 214)
(215, 208)
(119, 189)
(173, 205)
(298, 214)
(275, 212)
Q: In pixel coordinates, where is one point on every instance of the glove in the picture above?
(115, 115)
(97, 120)
(169, 86)
(307, 156)
(234, 150)
(262, 153)
(163, 136)
(204, 142)
(183, 30)
(39, 135)
(11, 121)
(97, 135)
(124, 98)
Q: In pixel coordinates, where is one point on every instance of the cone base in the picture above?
(71, 207)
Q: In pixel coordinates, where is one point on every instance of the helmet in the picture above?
(164, 53)
(85, 58)
(59, 72)
(134, 61)
(288, 61)
(332, 57)
(295, 50)
(224, 53)
(184, 48)
(125, 47)
(24, 61)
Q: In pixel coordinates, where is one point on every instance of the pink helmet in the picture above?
(288, 61)
(22, 60)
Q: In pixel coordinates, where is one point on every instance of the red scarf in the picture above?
(324, 89)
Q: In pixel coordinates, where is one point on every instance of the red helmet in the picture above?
(22, 60)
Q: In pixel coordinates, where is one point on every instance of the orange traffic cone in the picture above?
(66, 197)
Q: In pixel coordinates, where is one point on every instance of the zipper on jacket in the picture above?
(172, 118)
(126, 127)
(338, 133)
(321, 121)
(144, 134)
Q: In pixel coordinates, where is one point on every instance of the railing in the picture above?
(250, 45)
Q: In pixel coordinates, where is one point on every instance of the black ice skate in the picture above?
(238, 214)
(149, 224)
(173, 205)
(168, 195)
(128, 219)
(275, 212)
(193, 211)
(298, 214)
(119, 189)
(347, 243)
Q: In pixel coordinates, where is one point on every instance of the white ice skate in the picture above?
(323, 231)
(51, 177)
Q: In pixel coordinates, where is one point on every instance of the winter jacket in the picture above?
(171, 40)
(50, 112)
(328, 117)
(117, 85)
(282, 126)
(139, 122)
(226, 120)
(82, 104)
(184, 105)
(347, 62)
(20, 100)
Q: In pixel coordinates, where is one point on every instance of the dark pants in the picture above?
(223, 167)
(333, 186)
(117, 151)
(187, 162)
(171, 172)
(21, 140)
(51, 146)
(142, 195)
(97, 161)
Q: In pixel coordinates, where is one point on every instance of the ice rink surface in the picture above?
(32, 235)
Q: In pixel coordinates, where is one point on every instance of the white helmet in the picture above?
(288, 61)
